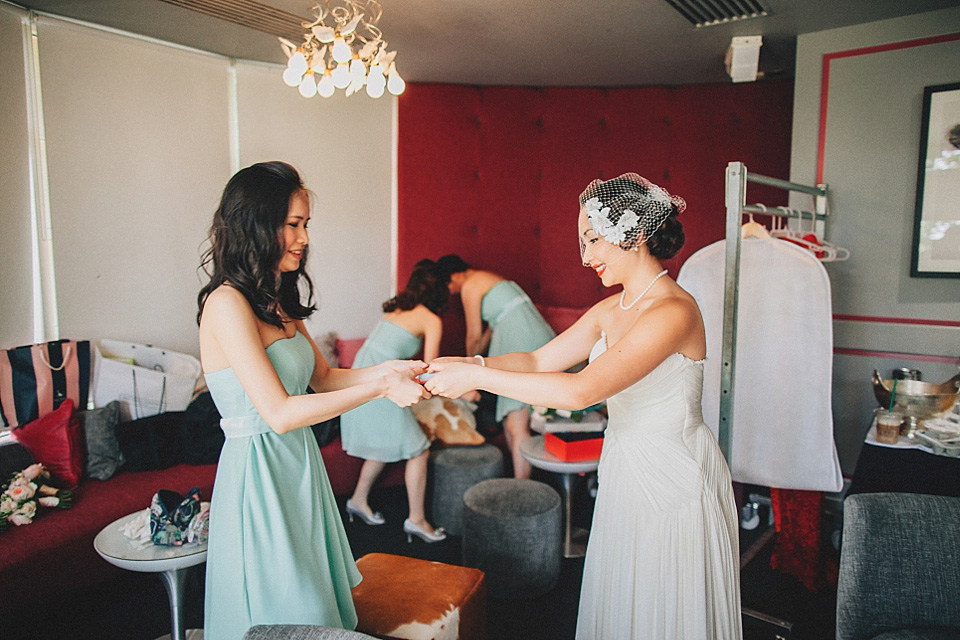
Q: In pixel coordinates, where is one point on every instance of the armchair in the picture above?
(899, 567)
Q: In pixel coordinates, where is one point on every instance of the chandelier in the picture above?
(342, 49)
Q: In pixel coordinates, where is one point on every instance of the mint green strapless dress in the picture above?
(277, 551)
(517, 328)
(380, 430)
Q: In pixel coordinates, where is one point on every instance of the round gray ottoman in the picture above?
(456, 469)
(512, 532)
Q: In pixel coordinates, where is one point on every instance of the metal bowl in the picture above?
(915, 399)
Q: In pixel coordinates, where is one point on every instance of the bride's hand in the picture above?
(452, 378)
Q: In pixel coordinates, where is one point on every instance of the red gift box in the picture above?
(574, 446)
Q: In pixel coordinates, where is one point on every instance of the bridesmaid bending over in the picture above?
(513, 324)
(380, 432)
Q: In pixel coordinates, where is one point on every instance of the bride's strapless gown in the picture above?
(663, 556)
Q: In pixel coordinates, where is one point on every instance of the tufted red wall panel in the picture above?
(493, 173)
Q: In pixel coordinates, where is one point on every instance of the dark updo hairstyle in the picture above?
(633, 192)
(423, 287)
(668, 240)
(449, 265)
(246, 244)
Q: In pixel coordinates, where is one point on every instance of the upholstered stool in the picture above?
(512, 532)
(456, 469)
(414, 599)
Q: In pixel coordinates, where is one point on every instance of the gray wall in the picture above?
(141, 137)
(870, 164)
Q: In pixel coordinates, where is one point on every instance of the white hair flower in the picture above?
(599, 218)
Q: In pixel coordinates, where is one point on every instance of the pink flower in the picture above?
(47, 490)
(28, 509)
(33, 471)
(19, 519)
(21, 492)
(49, 501)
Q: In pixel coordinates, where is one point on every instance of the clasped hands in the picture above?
(449, 376)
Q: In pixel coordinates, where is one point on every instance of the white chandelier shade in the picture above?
(342, 49)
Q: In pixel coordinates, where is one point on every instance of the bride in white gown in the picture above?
(663, 559)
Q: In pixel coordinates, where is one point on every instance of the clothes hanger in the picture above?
(753, 229)
(808, 239)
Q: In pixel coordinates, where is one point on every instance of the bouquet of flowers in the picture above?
(26, 493)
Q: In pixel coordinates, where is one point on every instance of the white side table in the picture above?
(171, 563)
(533, 450)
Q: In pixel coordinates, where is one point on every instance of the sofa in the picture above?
(54, 554)
(899, 567)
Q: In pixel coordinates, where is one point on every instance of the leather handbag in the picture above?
(35, 379)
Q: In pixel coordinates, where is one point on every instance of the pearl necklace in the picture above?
(642, 293)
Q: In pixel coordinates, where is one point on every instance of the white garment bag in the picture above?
(782, 423)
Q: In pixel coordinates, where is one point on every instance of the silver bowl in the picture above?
(917, 400)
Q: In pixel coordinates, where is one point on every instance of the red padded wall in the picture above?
(493, 173)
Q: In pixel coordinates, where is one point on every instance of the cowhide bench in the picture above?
(414, 599)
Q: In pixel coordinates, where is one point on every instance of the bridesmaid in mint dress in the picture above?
(277, 551)
(513, 326)
(380, 432)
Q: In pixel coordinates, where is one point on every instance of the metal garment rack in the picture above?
(735, 193)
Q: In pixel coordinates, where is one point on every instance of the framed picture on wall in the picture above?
(936, 234)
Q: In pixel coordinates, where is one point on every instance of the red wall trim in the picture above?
(880, 320)
(892, 355)
(828, 58)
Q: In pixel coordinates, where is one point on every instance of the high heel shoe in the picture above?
(369, 518)
(413, 530)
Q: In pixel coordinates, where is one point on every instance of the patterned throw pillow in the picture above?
(449, 420)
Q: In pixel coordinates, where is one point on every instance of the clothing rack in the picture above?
(735, 194)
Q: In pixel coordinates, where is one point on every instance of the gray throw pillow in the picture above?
(103, 450)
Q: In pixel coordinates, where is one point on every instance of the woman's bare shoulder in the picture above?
(225, 302)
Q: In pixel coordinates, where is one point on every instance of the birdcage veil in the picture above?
(627, 210)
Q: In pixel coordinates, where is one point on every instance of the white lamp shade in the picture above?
(308, 86)
(374, 90)
(395, 83)
(341, 50)
(291, 78)
(357, 69)
(297, 63)
(341, 76)
(325, 87)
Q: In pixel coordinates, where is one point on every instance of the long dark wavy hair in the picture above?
(425, 286)
(246, 244)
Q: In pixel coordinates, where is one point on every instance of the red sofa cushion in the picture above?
(55, 441)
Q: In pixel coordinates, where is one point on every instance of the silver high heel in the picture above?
(373, 519)
(413, 530)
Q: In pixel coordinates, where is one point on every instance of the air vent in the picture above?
(248, 13)
(705, 13)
